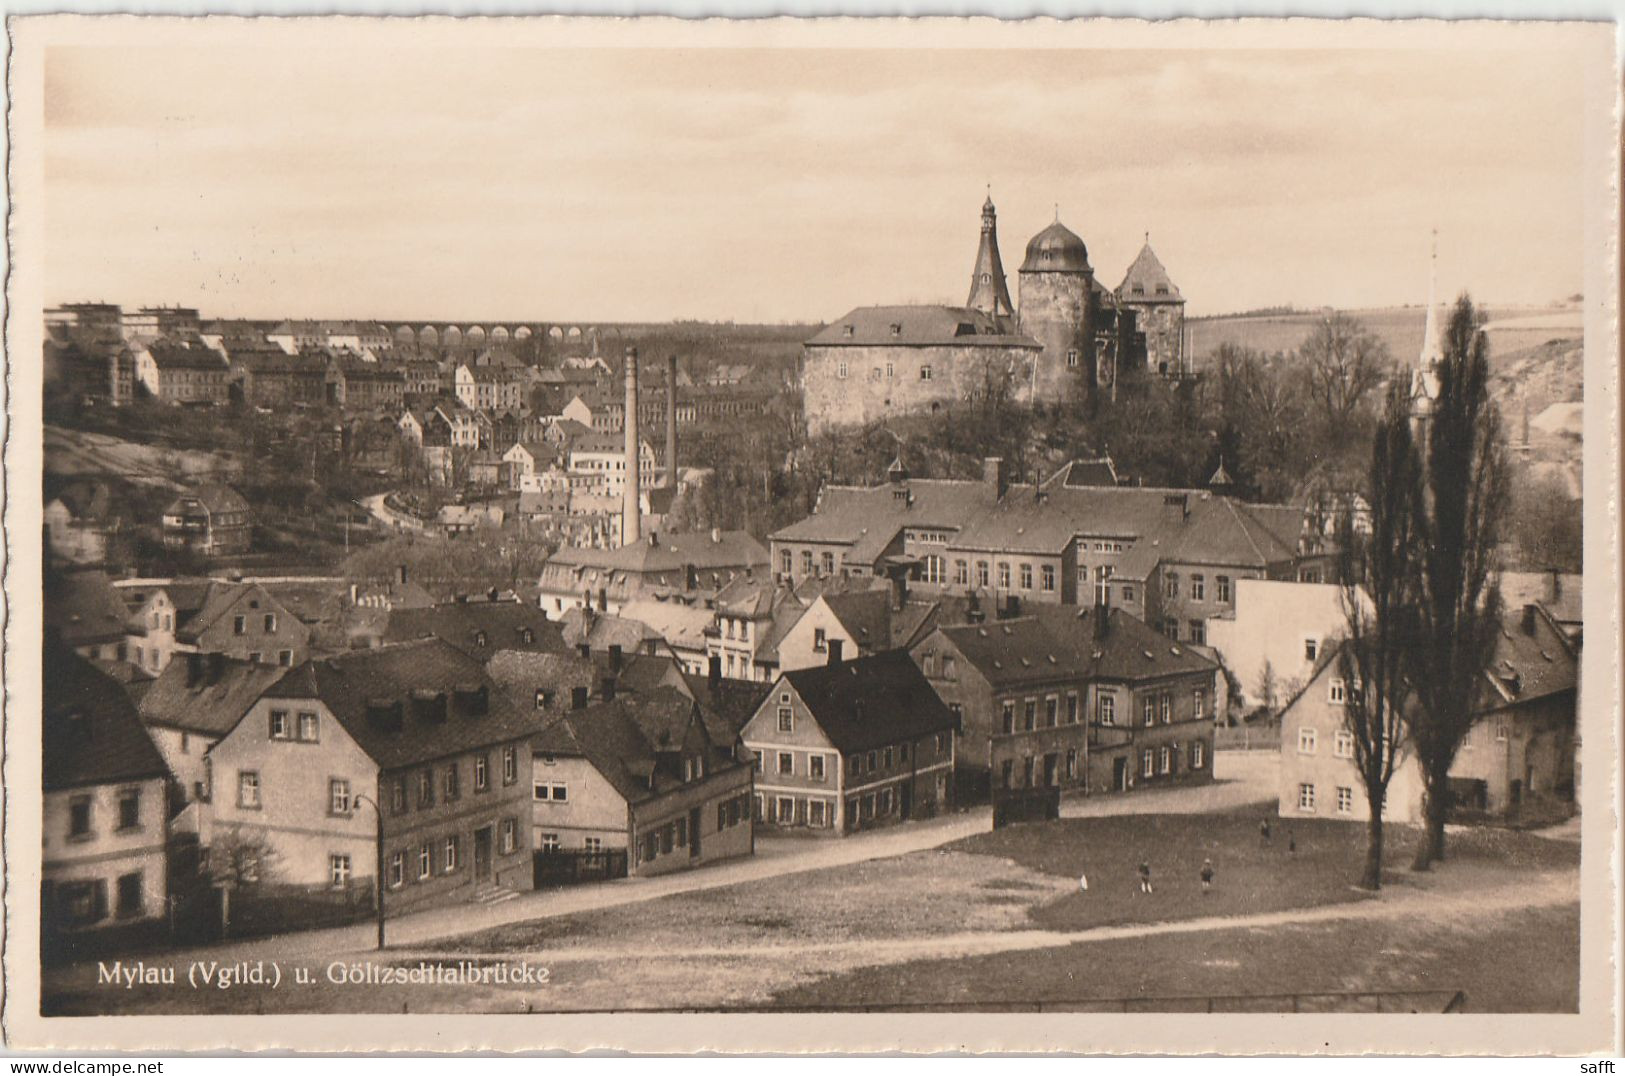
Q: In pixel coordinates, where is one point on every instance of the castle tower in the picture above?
(988, 291)
(1159, 310)
(1058, 310)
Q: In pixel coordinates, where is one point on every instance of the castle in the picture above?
(1066, 340)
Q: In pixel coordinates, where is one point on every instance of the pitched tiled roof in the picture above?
(672, 552)
(83, 608)
(873, 619)
(1155, 285)
(217, 497)
(869, 517)
(919, 326)
(91, 733)
(217, 600)
(184, 355)
(679, 624)
(600, 631)
(726, 704)
(624, 738)
(871, 701)
(1533, 659)
(503, 624)
(396, 732)
(206, 693)
(1061, 641)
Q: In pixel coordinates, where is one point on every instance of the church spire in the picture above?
(989, 292)
(1425, 378)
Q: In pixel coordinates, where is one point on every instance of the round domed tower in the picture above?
(1058, 310)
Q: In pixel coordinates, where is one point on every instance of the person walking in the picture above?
(1145, 878)
(1264, 831)
(1207, 876)
(1291, 843)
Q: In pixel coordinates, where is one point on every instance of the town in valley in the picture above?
(1050, 648)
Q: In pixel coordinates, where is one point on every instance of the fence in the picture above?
(1011, 805)
(559, 868)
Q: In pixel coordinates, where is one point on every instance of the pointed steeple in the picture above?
(1425, 378)
(989, 292)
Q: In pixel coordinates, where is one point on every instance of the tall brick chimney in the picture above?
(631, 520)
(671, 422)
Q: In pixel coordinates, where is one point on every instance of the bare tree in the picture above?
(1382, 627)
(1457, 532)
(238, 861)
(1344, 363)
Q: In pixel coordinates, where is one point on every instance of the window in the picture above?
(1307, 741)
(1164, 758)
(786, 808)
(1148, 763)
(1029, 714)
(1046, 577)
(1004, 575)
(1343, 744)
(254, 656)
(1198, 755)
(1009, 717)
(1128, 594)
(397, 796)
(448, 861)
(1167, 703)
(815, 814)
(883, 804)
(815, 767)
(239, 625)
(786, 561)
(1072, 357)
(820, 640)
(866, 809)
(270, 623)
(129, 895)
(510, 765)
(338, 871)
(981, 573)
(1198, 632)
(961, 573)
(248, 789)
(508, 840)
(1072, 708)
(1106, 709)
(129, 808)
(1199, 703)
(1148, 706)
(397, 869)
(1500, 734)
(281, 727)
(426, 789)
(1052, 709)
(79, 816)
(758, 757)
(1026, 577)
(936, 569)
(338, 796)
(890, 371)
(425, 862)
(550, 842)
(1311, 649)
(1339, 692)
(787, 764)
(1306, 797)
(307, 727)
(854, 765)
(925, 373)
(284, 658)
(806, 562)
(840, 371)
(449, 783)
(1345, 799)
(886, 762)
(593, 845)
(482, 773)
(828, 560)
(1170, 586)
(950, 667)
(1222, 583)
(871, 763)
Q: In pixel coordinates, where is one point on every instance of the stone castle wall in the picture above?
(1057, 310)
(882, 380)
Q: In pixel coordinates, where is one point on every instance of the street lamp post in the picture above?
(378, 866)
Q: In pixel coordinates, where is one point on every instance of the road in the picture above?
(386, 515)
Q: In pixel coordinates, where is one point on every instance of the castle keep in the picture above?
(1064, 342)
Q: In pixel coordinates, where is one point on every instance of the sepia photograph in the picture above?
(978, 521)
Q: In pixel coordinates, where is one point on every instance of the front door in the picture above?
(694, 833)
(1051, 765)
(905, 800)
(1120, 774)
(482, 854)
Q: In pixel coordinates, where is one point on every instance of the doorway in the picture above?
(905, 800)
(694, 833)
(482, 854)
(1120, 774)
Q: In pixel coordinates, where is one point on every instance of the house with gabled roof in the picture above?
(213, 520)
(851, 745)
(191, 705)
(478, 627)
(640, 775)
(415, 731)
(104, 821)
(864, 621)
(85, 612)
(1519, 753)
(243, 621)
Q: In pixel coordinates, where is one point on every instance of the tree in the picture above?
(1457, 531)
(1545, 523)
(1382, 627)
(1344, 363)
(238, 861)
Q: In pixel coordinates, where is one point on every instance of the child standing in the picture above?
(1207, 876)
(1145, 877)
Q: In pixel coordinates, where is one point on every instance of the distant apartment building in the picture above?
(183, 372)
(213, 521)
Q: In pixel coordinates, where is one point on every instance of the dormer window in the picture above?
(896, 328)
(1137, 289)
(847, 330)
(479, 638)
(1162, 289)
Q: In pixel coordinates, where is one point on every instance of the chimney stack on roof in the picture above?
(714, 671)
(835, 646)
(995, 477)
(606, 687)
(1529, 619)
(631, 520)
(615, 656)
(578, 698)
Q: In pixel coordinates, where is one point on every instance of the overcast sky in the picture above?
(794, 185)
